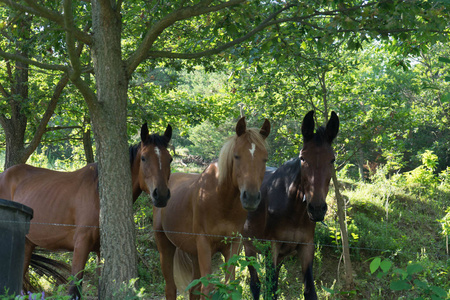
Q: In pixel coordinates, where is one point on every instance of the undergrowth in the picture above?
(400, 220)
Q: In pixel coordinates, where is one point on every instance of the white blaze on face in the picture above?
(158, 153)
(252, 150)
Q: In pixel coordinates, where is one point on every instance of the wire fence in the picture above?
(335, 246)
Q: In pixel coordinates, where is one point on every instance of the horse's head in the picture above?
(317, 158)
(242, 161)
(154, 166)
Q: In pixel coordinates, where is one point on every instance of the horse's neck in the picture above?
(227, 192)
(135, 181)
(294, 190)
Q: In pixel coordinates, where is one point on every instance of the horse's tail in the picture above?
(182, 270)
(56, 271)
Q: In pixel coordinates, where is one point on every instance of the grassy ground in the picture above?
(387, 218)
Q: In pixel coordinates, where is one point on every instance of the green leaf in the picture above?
(439, 291)
(413, 269)
(400, 285)
(385, 265)
(402, 273)
(444, 59)
(375, 264)
(421, 284)
(328, 290)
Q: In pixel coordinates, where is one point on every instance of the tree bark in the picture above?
(109, 123)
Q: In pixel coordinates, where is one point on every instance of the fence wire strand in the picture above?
(151, 231)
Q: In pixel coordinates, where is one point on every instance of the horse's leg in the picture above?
(272, 271)
(204, 254)
(166, 254)
(255, 284)
(80, 256)
(228, 252)
(29, 248)
(84, 242)
(306, 257)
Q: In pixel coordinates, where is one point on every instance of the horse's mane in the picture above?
(226, 153)
(155, 139)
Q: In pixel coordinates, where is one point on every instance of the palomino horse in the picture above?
(293, 200)
(66, 204)
(206, 208)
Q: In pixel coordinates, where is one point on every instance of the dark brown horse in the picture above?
(293, 200)
(66, 204)
(207, 207)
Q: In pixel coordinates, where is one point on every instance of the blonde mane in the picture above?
(225, 163)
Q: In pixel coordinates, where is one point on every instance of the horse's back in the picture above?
(13, 177)
(178, 179)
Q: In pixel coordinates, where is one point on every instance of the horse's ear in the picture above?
(265, 129)
(308, 126)
(332, 128)
(168, 133)
(144, 132)
(241, 126)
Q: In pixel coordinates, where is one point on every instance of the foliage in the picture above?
(407, 280)
(422, 179)
(231, 290)
(128, 291)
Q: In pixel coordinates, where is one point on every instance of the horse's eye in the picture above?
(143, 158)
(236, 157)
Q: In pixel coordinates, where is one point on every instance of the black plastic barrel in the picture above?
(14, 225)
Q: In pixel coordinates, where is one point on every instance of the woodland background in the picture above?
(383, 66)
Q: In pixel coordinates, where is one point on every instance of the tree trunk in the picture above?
(344, 234)
(14, 135)
(117, 236)
(15, 126)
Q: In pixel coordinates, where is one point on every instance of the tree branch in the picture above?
(17, 57)
(267, 22)
(4, 93)
(70, 40)
(183, 13)
(35, 9)
(41, 129)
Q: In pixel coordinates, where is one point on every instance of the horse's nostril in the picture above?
(244, 195)
(155, 194)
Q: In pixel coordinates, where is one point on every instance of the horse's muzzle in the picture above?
(159, 198)
(250, 201)
(316, 212)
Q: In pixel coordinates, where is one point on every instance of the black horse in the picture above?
(293, 200)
